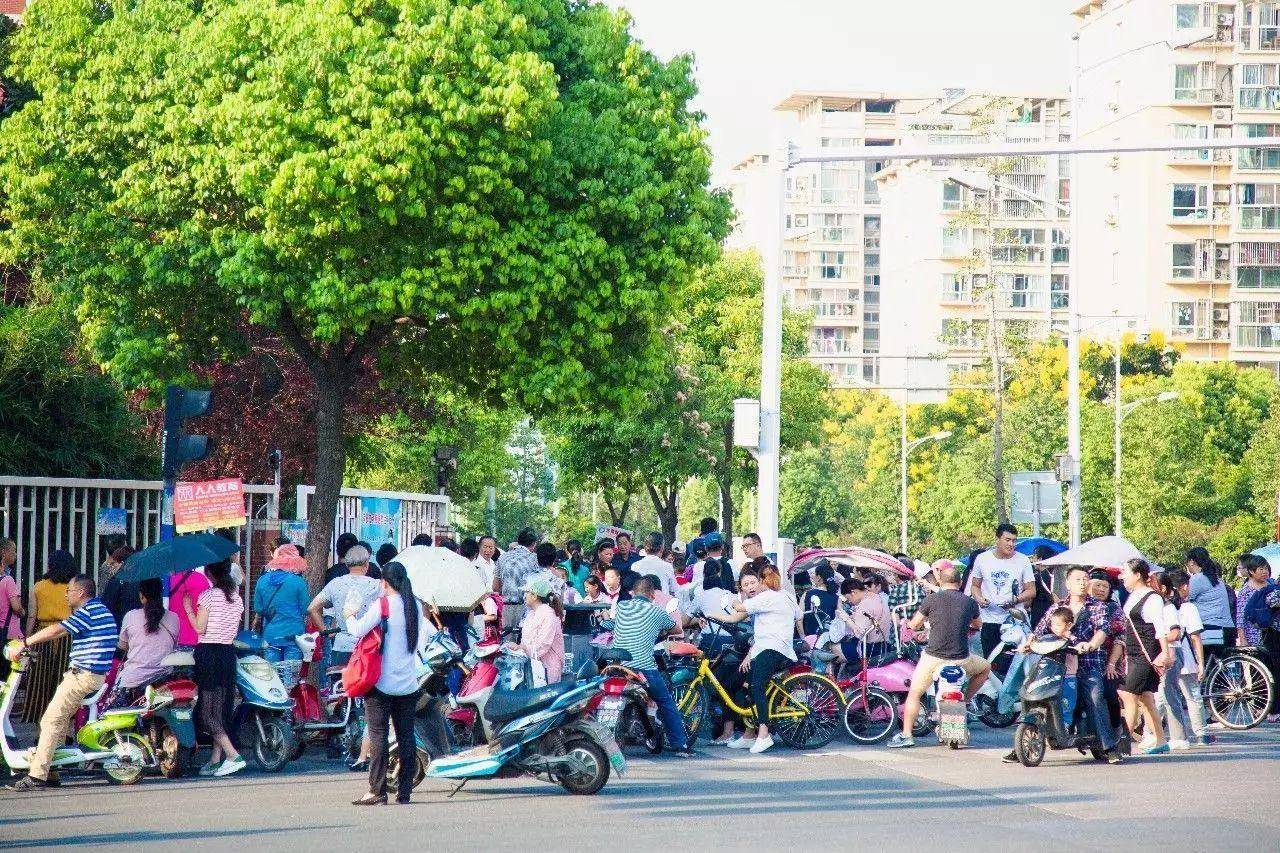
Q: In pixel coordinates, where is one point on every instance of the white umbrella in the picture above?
(1105, 552)
(442, 577)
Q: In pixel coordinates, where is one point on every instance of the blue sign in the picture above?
(112, 521)
(380, 521)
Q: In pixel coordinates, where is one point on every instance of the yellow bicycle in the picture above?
(805, 709)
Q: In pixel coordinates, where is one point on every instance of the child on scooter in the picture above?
(1060, 622)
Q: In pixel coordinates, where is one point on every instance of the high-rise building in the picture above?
(867, 251)
(1187, 242)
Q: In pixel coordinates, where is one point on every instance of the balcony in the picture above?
(832, 346)
(1259, 98)
(1202, 157)
(955, 295)
(1255, 217)
(1022, 300)
(1251, 336)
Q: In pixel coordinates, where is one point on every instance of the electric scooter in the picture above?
(320, 714)
(112, 742)
(542, 732)
(986, 705)
(627, 708)
(261, 718)
(1043, 725)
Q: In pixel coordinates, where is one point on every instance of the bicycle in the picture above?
(804, 708)
(1238, 689)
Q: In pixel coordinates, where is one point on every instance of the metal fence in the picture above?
(419, 513)
(45, 514)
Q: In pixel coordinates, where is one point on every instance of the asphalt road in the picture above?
(1220, 797)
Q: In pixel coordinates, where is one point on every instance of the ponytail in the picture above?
(153, 609)
(396, 578)
(219, 575)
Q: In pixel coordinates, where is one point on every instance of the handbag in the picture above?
(363, 670)
(1159, 669)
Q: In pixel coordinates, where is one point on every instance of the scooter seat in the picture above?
(176, 659)
(506, 705)
(883, 659)
(613, 655)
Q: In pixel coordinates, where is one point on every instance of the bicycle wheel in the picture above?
(693, 702)
(1239, 691)
(869, 715)
(806, 711)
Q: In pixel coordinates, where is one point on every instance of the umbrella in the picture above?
(851, 557)
(1105, 552)
(1031, 543)
(179, 554)
(1270, 553)
(442, 577)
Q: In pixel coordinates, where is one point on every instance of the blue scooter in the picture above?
(542, 732)
(261, 721)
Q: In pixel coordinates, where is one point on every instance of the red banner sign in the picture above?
(217, 503)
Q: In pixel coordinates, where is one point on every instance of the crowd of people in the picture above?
(1141, 639)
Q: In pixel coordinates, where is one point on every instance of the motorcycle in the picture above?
(169, 727)
(1043, 724)
(542, 732)
(321, 714)
(627, 709)
(260, 719)
(111, 742)
(987, 704)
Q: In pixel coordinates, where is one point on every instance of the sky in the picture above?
(752, 53)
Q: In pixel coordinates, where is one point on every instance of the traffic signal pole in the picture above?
(177, 448)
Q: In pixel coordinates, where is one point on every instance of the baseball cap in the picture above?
(540, 587)
(712, 540)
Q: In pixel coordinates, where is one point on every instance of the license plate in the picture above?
(607, 717)
(612, 704)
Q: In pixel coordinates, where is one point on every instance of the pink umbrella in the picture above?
(851, 557)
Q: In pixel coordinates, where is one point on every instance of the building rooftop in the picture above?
(751, 160)
(13, 8)
(797, 101)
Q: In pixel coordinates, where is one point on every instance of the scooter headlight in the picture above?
(259, 669)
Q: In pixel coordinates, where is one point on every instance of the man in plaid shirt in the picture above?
(1089, 633)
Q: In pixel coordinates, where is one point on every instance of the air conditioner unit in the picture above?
(1221, 315)
(1222, 113)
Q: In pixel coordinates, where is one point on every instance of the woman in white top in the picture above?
(775, 614)
(395, 696)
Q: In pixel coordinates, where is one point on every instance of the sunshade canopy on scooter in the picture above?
(179, 554)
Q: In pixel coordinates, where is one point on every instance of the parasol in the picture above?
(852, 557)
(442, 577)
(1105, 552)
(179, 554)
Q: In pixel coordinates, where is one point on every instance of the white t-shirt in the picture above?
(1001, 582)
(336, 591)
(775, 622)
(712, 602)
(1189, 619)
(485, 568)
(1152, 610)
(652, 564)
(399, 675)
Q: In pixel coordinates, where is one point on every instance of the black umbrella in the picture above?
(179, 554)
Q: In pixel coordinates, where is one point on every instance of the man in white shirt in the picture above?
(1001, 580)
(653, 564)
(752, 547)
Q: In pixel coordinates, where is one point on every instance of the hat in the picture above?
(677, 547)
(712, 540)
(938, 565)
(540, 587)
(287, 558)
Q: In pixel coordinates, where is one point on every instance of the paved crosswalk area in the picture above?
(851, 797)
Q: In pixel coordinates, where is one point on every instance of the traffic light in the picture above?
(180, 405)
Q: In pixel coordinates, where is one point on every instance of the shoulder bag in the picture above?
(365, 666)
(1159, 669)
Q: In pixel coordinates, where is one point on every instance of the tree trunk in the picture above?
(617, 515)
(726, 484)
(667, 509)
(331, 462)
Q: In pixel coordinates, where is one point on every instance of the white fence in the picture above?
(45, 514)
(419, 513)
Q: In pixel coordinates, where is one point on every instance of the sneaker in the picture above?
(231, 765)
(209, 769)
(1145, 744)
(761, 744)
(1180, 745)
(1204, 740)
(723, 741)
(1162, 749)
(740, 743)
(900, 741)
(1114, 757)
(29, 783)
(361, 766)
(1011, 758)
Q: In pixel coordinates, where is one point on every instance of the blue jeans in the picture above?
(282, 649)
(667, 709)
(1093, 690)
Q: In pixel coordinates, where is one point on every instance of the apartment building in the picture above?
(971, 242)
(873, 249)
(1186, 242)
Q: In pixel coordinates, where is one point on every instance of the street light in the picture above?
(1181, 38)
(907, 447)
(1122, 412)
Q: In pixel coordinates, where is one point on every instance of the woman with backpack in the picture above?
(394, 697)
(280, 601)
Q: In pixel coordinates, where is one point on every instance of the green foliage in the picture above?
(59, 415)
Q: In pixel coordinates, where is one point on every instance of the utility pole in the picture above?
(177, 448)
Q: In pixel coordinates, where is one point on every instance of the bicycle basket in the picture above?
(288, 671)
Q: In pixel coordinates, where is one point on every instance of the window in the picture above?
(1184, 261)
(1019, 290)
(1258, 86)
(1259, 206)
(838, 186)
(1018, 246)
(1186, 15)
(882, 106)
(1259, 158)
(1261, 27)
(827, 340)
(839, 142)
(952, 195)
(1183, 316)
(835, 227)
(795, 264)
(1258, 266)
(871, 281)
(831, 265)
(797, 220)
(955, 288)
(1258, 325)
(1061, 246)
(870, 186)
(1190, 201)
(1059, 291)
(1191, 131)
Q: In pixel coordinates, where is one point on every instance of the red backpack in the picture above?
(363, 670)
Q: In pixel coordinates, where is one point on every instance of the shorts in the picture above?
(927, 668)
(1140, 677)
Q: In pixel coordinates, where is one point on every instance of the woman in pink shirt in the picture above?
(541, 634)
(184, 588)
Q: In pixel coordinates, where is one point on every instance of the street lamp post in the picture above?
(906, 448)
(1122, 412)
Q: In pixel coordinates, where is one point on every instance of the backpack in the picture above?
(363, 670)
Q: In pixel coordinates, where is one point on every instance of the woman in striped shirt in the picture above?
(216, 618)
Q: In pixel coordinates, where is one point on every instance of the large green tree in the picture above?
(502, 193)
